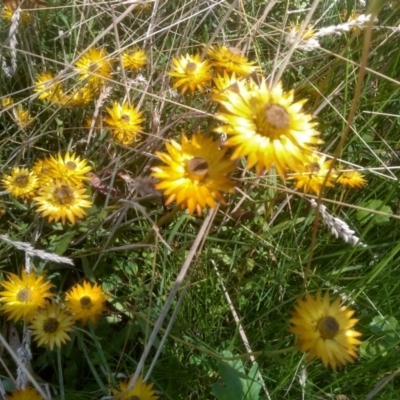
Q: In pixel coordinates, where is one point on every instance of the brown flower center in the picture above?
(71, 165)
(277, 116)
(328, 327)
(197, 168)
(86, 302)
(125, 118)
(234, 51)
(24, 295)
(50, 325)
(191, 67)
(93, 67)
(21, 180)
(64, 195)
(315, 167)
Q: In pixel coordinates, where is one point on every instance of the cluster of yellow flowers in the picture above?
(56, 186)
(29, 297)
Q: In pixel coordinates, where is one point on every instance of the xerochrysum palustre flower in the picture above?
(133, 59)
(141, 391)
(28, 393)
(21, 183)
(352, 179)
(47, 86)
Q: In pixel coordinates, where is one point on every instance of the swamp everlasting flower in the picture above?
(141, 391)
(21, 183)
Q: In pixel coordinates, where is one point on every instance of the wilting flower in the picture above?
(27, 393)
(190, 73)
(22, 117)
(60, 201)
(125, 123)
(316, 174)
(47, 86)
(265, 125)
(86, 302)
(196, 173)
(21, 183)
(324, 330)
(230, 59)
(50, 326)
(23, 296)
(134, 59)
(141, 390)
(353, 179)
(94, 66)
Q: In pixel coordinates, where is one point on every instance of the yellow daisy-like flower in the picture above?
(324, 330)
(196, 173)
(23, 296)
(8, 12)
(124, 123)
(60, 201)
(315, 175)
(230, 59)
(267, 126)
(308, 32)
(47, 86)
(134, 59)
(141, 391)
(22, 117)
(78, 97)
(70, 169)
(224, 85)
(6, 102)
(190, 73)
(353, 179)
(43, 170)
(21, 183)
(86, 302)
(25, 394)
(50, 326)
(94, 66)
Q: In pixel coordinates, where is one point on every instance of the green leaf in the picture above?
(382, 324)
(365, 216)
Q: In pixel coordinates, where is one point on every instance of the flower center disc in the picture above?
(125, 118)
(315, 167)
(197, 168)
(93, 67)
(50, 325)
(86, 302)
(328, 327)
(277, 116)
(70, 165)
(21, 180)
(191, 67)
(64, 194)
(24, 295)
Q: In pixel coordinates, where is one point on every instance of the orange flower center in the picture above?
(50, 325)
(125, 118)
(277, 116)
(64, 195)
(24, 295)
(86, 302)
(191, 67)
(197, 168)
(71, 165)
(21, 180)
(328, 327)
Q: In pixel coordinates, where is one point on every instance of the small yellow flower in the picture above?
(78, 97)
(23, 296)
(43, 169)
(353, 179)
(70, 169)
(60, 201)
(134, 59)
(190, 73)
(125, 123)
(230, 60)
(224, 85)
(21, 183)
(324, 330)
(6, 102)
(8, 12)
(50, 326)
(27, 393)
(314, 176)
(22, 117)
(86, 302)
(196, 173)
(307, 34)
(94, 66)
(265, 125)
(47, 86)
(141, 391)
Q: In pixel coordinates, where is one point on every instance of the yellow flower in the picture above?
(8, 12)
(323, 330)
(43, 170)
(6, 102)
(60, 201)
(230, 60)
(81, 96)
(267, 126)
(224, 85)
(134, 59)
(94, 65)
(22, 117)
(125, 123)
(70, 169)
(190, 73)
(195, 174)
(353, 179)
(314, 175)
(86, 302)
(308, 32)
(21, 183)
(47, 86)
(144, 7)
(23, 296)
(141, 391)
(50, 326)
(27, 393)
